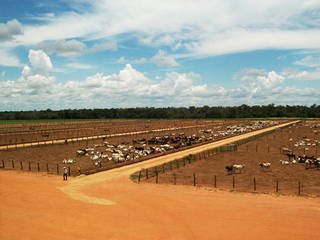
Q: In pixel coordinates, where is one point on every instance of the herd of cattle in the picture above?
(139, 148)
(308, 161)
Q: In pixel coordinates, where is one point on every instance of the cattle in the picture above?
(68, 161)
(284, 162)
(239, 167)
(229, 169)
(291, 155)
(81, 152)
(309, 163)
(265, 165)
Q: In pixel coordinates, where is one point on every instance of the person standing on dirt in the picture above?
(65, 174)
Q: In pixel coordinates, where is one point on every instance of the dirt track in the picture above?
(108, 205)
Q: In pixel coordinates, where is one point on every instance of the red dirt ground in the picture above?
(108, 205)
(33, 207)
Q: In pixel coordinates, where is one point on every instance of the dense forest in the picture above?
(243, 111)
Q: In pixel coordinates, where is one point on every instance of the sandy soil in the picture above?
(108, 205)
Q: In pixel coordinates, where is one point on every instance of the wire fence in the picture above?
(33, 166)
(168, 174)
(182, 162)
(233, 183)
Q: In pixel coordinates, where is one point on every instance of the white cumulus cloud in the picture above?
(131, 88)
(10, 29)
(79, 66)
(309, 61)
(104, 46)
(271, 79)
(63, 47)
(292, 73)
(205, 27)
(161, 59)
(132, 61)
(8, 59)
(259, 77)
(40, 62)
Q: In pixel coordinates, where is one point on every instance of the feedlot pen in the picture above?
(209, 170)
(49, 158)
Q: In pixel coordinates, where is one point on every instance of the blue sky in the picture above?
(103, 54)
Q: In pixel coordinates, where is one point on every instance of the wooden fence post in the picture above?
(12, 163)
(21, 166)
(233, 182)
(254, 184)
(57, 168)
(29, 166)
(215, 181)
(194, 179)
(299, 188)
(3, 164)
(147, 174)
(139, 176)
(47, 167)
(38, 167)
(156, 171)
(277, 186)
(69, 171)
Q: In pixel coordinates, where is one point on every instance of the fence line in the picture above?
(253, 185)
(38, 167)
(177, 163)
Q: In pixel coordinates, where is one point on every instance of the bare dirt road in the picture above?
(108, 205)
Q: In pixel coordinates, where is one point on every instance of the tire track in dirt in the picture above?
(74, 188)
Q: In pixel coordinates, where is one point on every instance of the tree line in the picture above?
(243, 111)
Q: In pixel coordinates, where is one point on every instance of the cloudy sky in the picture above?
(134, 53)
